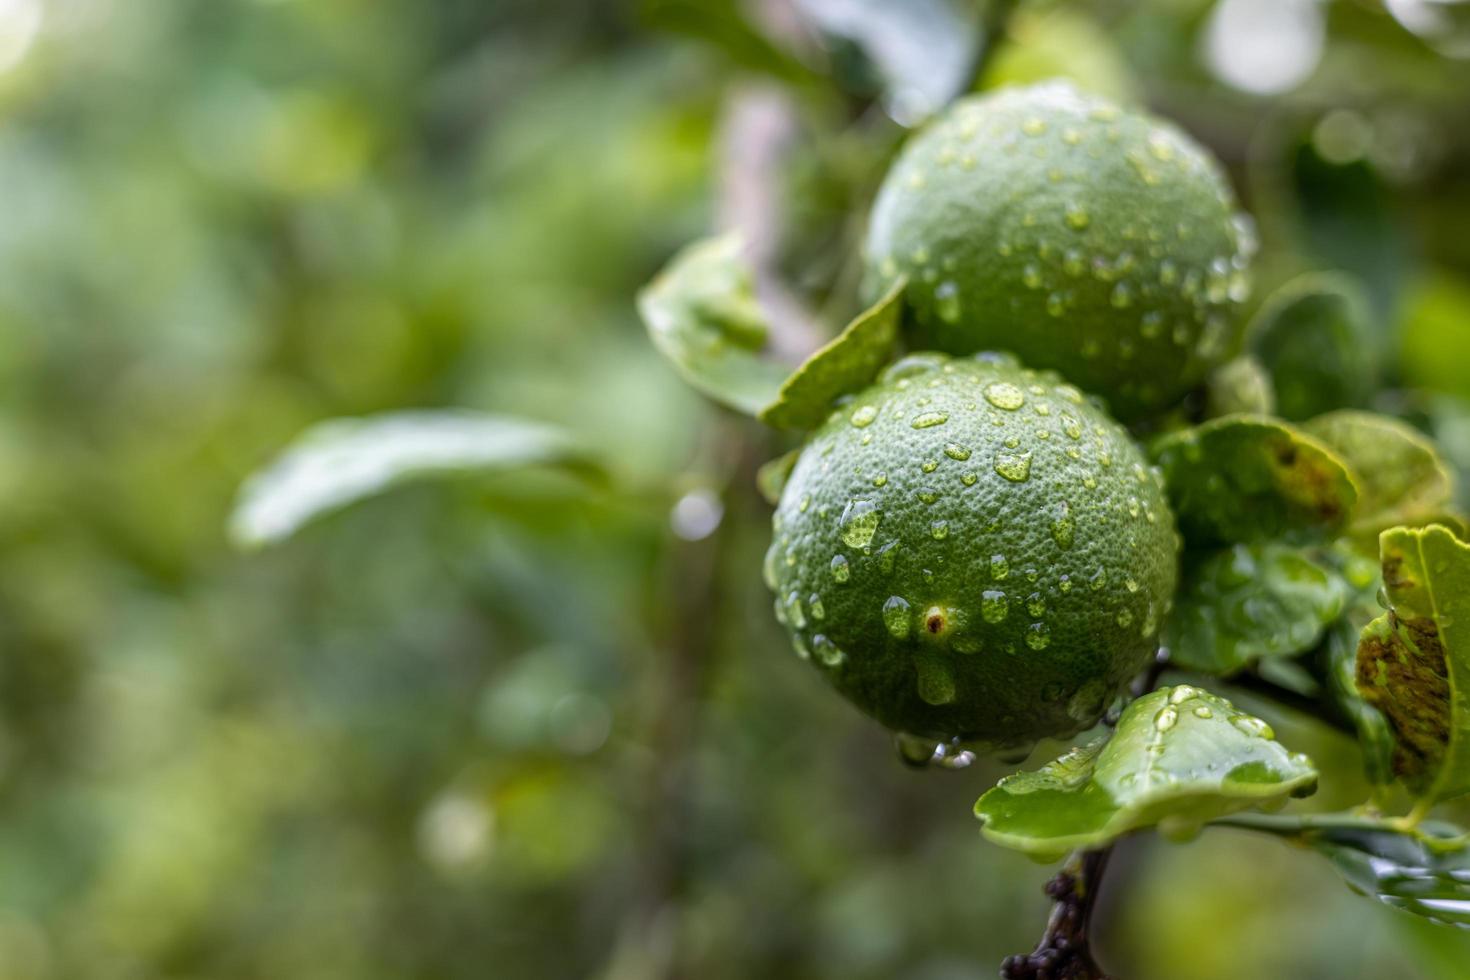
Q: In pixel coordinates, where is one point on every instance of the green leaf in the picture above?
(771, 478)
(1312, 335)
(1246, 602)
(921, 51)
(1424, 871)
(1179, 756)
(702, 314)
(1400, 476)
(848, 362)
(1239, 387)
(341, 461)
(1252, 478)
(1414, 661)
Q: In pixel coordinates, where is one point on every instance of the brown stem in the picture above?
(1064, 952)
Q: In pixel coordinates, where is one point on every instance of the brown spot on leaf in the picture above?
(1401, 671)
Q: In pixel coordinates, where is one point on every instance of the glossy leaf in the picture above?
(1424, 871)
(1246, 602)
(1239, 387)
(1252, 478)
(1414, 661)
(1179, 756)
(1312, 336)
(849, 362)
(1400, 476)
(339, 462)
(702, 314)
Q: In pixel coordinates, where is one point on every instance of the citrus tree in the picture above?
(1060, 476)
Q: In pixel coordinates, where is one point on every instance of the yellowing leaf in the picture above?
(1414, 660)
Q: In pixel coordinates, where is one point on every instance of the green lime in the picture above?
(1095, 241)
(970, 549)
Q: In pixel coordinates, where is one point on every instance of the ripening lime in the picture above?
(1096, 241)
(972, 549)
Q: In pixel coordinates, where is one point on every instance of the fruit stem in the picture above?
(1064, 952)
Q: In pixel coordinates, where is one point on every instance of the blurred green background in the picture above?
(516, 727)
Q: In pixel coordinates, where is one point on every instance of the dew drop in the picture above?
(999, 567)
(925, 420)
(955, 451)
(947, 301)
(795, 611)
(1031, 275)
(827, 652)
(1253, 727)
(1036, 604)
(896, 617)
(816, 607)
(1077, 217)
(936, 683)
(969, 479)
(1166, 719)
(864, 416)
(1004, 395)
(859, 523)
(1063, 526)
(841, 572)
(880, 479)
(994, 606)
(1015, 467)
(1122, 296)
(1038, 636)
(1033, 126)
(1203, 711)
(939, 530)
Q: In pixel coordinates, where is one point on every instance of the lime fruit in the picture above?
(969, 549)
(1095, 241)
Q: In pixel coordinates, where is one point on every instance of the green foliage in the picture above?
(850, 361)
(343, 461)
(1250, 601)
(703, 316)
(1240, 386)
(1414, 660)
(1400, 476)
(1253, 478)
(1424, 871)
(1313, 336)
(1179, 756)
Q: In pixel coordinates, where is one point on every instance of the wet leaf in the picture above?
(1252, 478)
(1400, 476)
(1239, 387)
(771, 478)
(1246, 602)
(1313, 338)
(702, 314)
(1425, 871)
(1375, 737)
(1179, 756)
(339, 462)
(1413, 662)
(849, 362)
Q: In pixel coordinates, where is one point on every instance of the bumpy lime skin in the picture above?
(972, 549)
(1098, 242)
